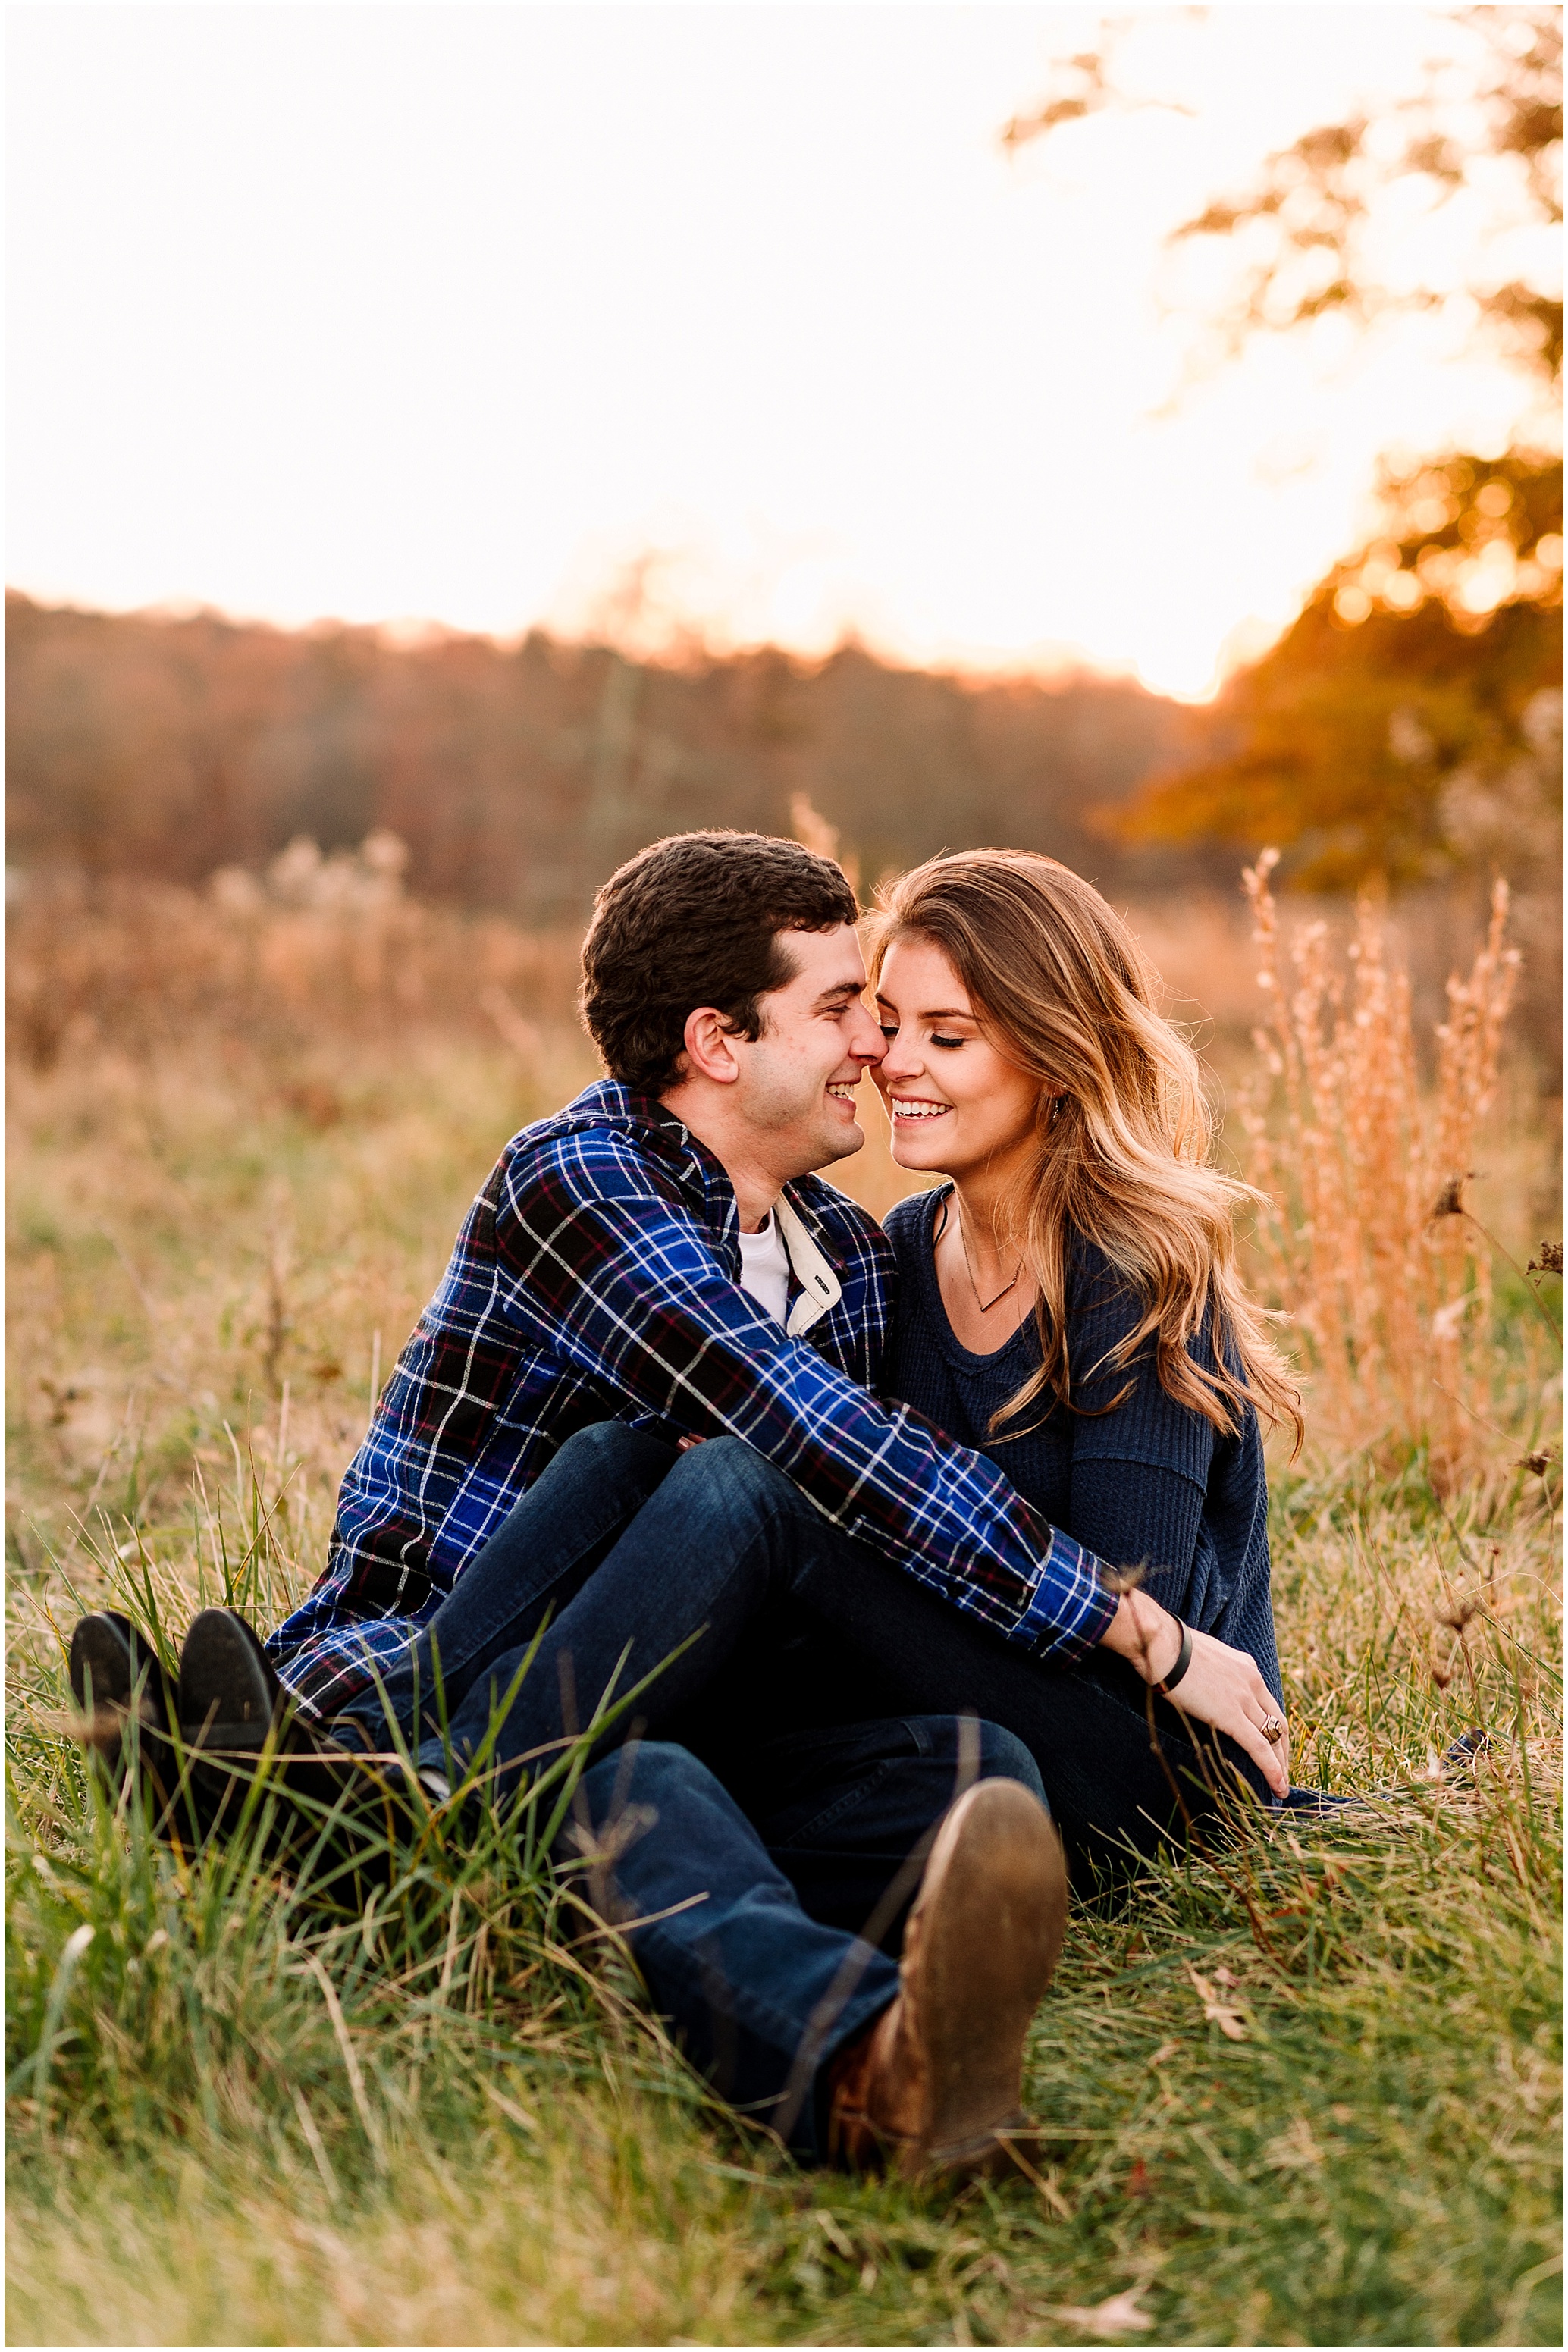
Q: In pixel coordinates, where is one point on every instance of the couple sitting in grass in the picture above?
(812, 1537)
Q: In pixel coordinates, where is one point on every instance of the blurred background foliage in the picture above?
(1406, 729)
(1403, 733)
(1477, 149)
(518, 775)
(1408, 724)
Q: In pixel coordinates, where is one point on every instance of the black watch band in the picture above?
(1184, 1660)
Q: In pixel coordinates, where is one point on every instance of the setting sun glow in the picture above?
(398, 314)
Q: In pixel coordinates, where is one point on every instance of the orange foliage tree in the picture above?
(1409, 720)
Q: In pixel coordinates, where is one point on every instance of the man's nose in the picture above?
(867, 1043)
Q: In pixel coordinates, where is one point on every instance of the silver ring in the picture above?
(1273, 1728)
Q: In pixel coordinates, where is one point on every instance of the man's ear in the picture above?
(710, 1048)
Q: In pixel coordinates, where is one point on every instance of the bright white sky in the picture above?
(392, 311)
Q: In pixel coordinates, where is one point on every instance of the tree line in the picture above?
(520, 776)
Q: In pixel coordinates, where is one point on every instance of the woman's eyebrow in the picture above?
(942, 1012)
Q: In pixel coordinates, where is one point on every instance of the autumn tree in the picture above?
(1408, 724)
(1478, 146)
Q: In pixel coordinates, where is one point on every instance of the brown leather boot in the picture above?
(936, 2082)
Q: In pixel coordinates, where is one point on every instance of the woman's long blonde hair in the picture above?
(1061, 987)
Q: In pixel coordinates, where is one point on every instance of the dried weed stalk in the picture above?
(1386, 1279)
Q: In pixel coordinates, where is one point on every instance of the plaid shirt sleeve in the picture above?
(598, 1262)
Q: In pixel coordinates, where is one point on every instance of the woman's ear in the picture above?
(710, 1048)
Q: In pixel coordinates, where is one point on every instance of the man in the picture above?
(658, 1256)
(600, 1273)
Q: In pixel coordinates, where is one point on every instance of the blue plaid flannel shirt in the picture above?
(597, 1277)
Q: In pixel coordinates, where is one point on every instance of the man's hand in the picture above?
(1221, 1687)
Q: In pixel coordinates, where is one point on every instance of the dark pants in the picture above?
(772, 1900)
(753, 1948)
(636, 1549)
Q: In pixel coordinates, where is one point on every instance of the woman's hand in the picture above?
(1221, 1687)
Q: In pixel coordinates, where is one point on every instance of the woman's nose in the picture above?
(901, 1060)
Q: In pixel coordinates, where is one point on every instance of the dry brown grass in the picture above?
(314, 985)
(321, 951)
(317, 948)
(1371, 1248)
(242, 1136)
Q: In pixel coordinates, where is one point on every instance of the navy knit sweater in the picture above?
(1152, 1483)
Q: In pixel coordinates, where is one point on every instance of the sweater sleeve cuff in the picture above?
(1072, 1605)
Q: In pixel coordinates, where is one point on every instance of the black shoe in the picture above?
(230, 1696)
(1460, 1755)
(123, 1688)
(328, 1795)
(1454, 1768)
(231, 1701)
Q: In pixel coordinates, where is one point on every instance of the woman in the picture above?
(1069, 1304)
(1070, 1301)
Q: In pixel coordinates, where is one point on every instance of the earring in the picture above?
(1057, 1101)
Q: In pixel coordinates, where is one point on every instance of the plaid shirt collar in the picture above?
(703, 1176)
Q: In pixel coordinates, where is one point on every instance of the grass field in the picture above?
(1303, 2092)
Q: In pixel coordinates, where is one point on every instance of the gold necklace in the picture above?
(985, 1305)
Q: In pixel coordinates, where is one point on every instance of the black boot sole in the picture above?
(130, 1703)
(232, 1704)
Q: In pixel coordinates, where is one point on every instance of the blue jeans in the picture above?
(787, 1951)
(636, 1549)
(620, 1552)
(775, 1896)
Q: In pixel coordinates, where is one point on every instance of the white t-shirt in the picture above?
(764, 1269)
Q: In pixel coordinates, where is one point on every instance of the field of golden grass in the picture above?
(242, 1136)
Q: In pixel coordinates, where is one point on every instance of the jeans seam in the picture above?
(835, 1813)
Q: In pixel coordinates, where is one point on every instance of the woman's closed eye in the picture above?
(890, 1030)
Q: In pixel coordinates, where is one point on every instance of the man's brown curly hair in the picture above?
(698, 918)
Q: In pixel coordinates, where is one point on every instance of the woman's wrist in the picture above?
(1146, 1634)
(1173, 1675)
